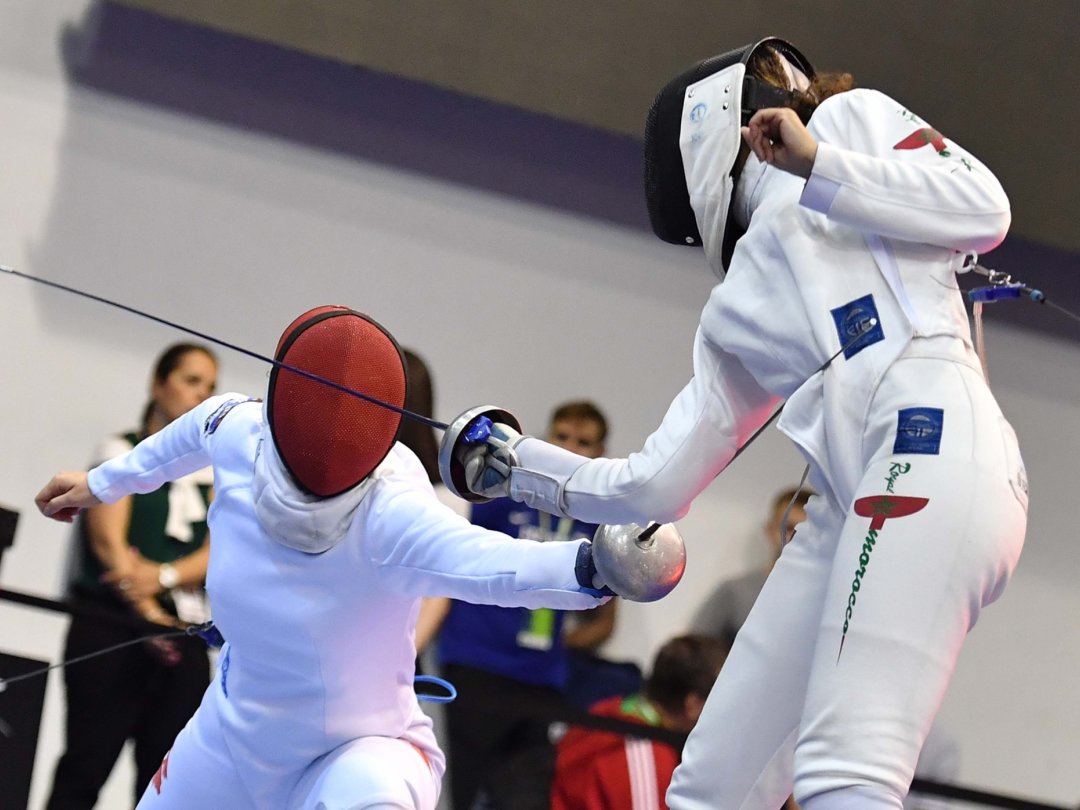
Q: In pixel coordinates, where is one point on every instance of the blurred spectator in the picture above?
(510, 665)
(726, 608)
(581, 427)
(604, 770)
(144, 554)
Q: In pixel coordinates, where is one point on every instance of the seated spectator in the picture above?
(603, 770)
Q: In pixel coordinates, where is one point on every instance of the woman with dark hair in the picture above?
(143, 555)
(415, 435)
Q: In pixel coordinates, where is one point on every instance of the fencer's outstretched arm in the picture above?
(423, 548)
(706, 424)
(180, 448)
(882, 170)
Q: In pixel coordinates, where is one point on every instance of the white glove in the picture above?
(488, 464)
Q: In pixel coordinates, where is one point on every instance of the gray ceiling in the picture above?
(998, 75)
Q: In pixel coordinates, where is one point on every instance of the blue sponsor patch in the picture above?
(918, 430)
(214, 419)
(857, 325)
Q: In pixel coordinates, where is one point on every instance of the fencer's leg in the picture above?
(739, 755)
(931, 540)
(371, 773)
(198, 771)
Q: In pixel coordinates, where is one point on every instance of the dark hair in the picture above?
(782, 499)
(581, 409)
(418, 437)
(766, 65)
(168, 361)
(686, 665)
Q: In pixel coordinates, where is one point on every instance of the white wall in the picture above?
(514, 305)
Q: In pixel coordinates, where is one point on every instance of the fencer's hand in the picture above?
(487, 465)
(779, 138)
(586, 574)
(64, 496)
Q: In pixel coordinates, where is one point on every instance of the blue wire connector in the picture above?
(1002, 292)
(208, 632)
(478, 431)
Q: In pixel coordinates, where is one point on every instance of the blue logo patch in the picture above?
(918, 430)
(857, 325)
(697, 113)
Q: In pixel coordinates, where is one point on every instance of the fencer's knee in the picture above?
(375, 799)
(361, 779)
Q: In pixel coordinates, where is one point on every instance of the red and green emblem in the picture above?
(878, 508)
(923, 136)
(881, 507)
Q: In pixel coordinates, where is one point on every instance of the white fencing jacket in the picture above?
(889, 211)
(320, 646)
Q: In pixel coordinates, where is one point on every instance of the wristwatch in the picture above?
(168, 577)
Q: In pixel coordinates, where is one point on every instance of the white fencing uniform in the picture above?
(922, 511)
(313, 705)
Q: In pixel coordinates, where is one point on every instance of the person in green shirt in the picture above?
(147, 555)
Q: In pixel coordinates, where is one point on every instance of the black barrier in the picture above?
(973, 796)
(20, 723)
(8, 520)
(132, 620)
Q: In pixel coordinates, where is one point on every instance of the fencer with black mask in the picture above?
(837, 246)
(327, 534)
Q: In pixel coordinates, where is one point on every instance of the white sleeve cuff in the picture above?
(819, 191)
(543, 472)
(96, 480)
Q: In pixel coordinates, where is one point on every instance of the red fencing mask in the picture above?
(330, 440)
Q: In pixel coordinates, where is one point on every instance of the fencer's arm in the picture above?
(706, 424)
(863, 176)
(423, 548)
(178, 449)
